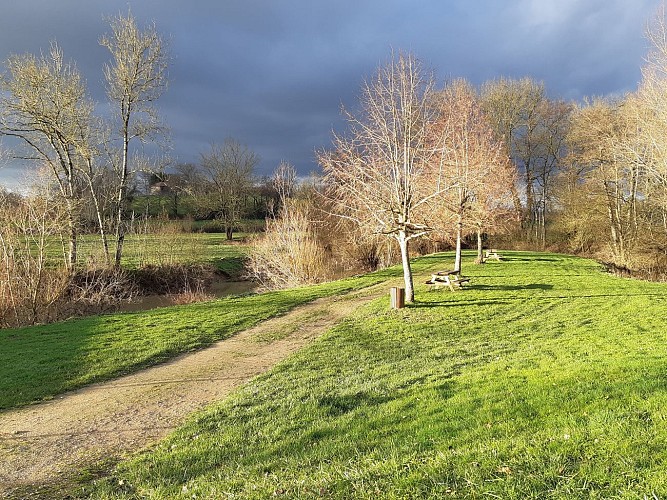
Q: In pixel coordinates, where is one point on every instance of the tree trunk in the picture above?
(105, 241)
(480, 256)
(100, 222)
(120, 232)
(229, 230)
(459, 234)
(530, 215)
(122, 195)
(518, 208)
(616, 236)
(543, 226)
(403, 243)
(73, 233)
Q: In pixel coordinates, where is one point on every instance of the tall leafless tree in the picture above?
(136, 77)
(599, 137)
(651, 106)
(387, 171)
(473, 159)
(512, 107)
(549, 159)
(45, 106)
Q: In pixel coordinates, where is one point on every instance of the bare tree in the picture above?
(474, 158)
(284, 181)
(551, 150)
(387, 171)
(512, 107)
(229, 170)
(136, 77)
(45, 106)
(651, 107)
(599, 137)
(187, 181)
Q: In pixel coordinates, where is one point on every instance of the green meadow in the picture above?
(546, 378)
(41, 362)
(168, 247)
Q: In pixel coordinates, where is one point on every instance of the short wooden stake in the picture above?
(397, 297)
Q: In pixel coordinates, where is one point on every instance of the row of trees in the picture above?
(223, 186)
(617, 173)
(592, 174)
(46, 108)
(417, 161)
(533, 129)
(587, 177)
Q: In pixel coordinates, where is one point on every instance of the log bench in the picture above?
(451, 279)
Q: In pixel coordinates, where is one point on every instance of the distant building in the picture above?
(160, 188)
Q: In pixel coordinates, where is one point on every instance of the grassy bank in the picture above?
(545, 379)
(43, 361)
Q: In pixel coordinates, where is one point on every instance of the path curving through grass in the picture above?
(545, 379)
(44, 447)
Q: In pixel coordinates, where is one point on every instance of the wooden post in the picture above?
(397, 297)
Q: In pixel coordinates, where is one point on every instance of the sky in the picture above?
(274, 74)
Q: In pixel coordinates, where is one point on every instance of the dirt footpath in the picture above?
(51, 442)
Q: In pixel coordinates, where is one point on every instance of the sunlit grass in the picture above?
(545, 379)
(43, 361)
(173, 247)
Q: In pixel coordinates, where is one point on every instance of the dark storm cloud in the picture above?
(274, 74)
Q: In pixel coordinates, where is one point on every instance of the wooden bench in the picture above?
(451, 279)
(492, 254)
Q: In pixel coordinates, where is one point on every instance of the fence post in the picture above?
(397, 297)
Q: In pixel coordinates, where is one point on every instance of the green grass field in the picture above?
(545, 379)
(161, 248)
(43, 361)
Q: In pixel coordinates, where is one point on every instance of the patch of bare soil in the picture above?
(50, 443)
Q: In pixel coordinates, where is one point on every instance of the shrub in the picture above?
(290, 253)
(172, 278)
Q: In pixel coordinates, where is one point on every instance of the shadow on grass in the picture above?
(447, 389)
(532, 286)
(529, 259)
(459, 303)
(340, 404)
(533, 275)
(506, 300)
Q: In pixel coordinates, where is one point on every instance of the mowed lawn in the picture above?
(545, 379)
(41, 362)
(159, 248)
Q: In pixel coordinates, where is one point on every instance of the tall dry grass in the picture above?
(290, 253)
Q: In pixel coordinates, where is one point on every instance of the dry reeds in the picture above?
(289, 253)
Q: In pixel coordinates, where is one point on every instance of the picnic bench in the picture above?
(451, 279)
(492, 254)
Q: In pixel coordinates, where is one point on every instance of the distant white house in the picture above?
(160, 188)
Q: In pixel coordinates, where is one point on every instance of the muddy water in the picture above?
(217, 290)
